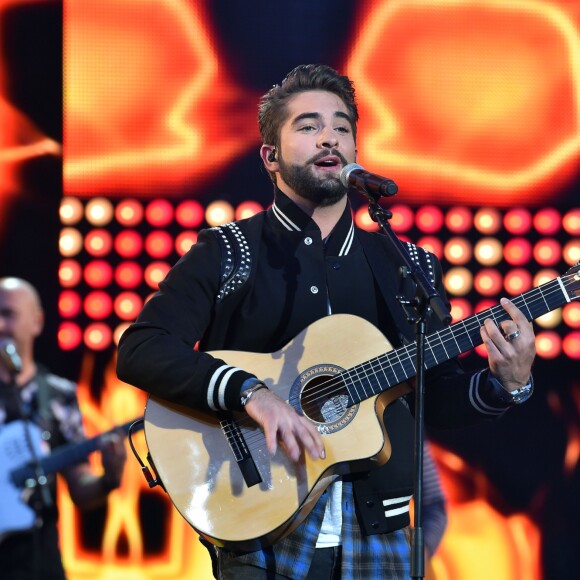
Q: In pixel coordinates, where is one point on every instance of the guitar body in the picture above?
(16, 515)
(196, 460)
(20, 446)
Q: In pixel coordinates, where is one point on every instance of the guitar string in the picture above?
(497, 313)
(372, 370)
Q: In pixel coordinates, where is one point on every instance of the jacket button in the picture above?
(308, 241)
(375, 525)
(336, 266)
(314, 289)
(370, 503)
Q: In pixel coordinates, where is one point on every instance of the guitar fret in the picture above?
(398, 365)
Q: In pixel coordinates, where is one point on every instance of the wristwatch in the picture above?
(513, 397)
(247, 394)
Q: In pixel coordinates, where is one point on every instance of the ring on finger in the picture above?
(509, 337)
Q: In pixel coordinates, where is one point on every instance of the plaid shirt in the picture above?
(292, 555)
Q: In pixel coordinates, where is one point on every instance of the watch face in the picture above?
(521, 394)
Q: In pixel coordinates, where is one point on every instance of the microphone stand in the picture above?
(417, 311)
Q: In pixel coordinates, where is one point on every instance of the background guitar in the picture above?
(18, 467)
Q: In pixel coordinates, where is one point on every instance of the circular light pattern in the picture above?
(155, 273)
(458, 281)
(487, 221)
(518, 221)
(69, 273)
(128, 274)
(459, 220)
(545, 275)
(98, 274)
(431, 244)
(99, 211)
(69, 335)
(184, 241)
(488, 251)
(129, 212)
(70, 242)
(488, 282)
(517, 251)
(571, 314)
(159, 213)
(547, 221)
(548, 344)
(429, 219)
(71, 210)
(458, 251)
(98, 305)
(571, 252)
(128, 243)
(571, 345)
(550, 319)
(119, 330)
(517, 281)
(402, 220)
(69, 304)
(97, 336)
(247, 209)
(127, 305)
(547, 252)
(159, 244)
(189, 214)
(363, 220)
(483, 305)
(481, 351)
(98, 243)
(218, 213)
(460, 309)
(571, 222)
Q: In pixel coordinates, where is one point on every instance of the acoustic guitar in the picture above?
(341, 373)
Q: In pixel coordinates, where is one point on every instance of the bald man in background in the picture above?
(39, 412)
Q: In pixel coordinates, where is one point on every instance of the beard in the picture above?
(322, 190)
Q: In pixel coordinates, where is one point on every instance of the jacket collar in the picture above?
(286, 215)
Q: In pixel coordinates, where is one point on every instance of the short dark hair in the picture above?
(272, 110)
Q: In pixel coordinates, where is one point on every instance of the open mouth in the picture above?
(328, 163)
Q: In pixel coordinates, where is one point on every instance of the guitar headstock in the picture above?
(571, 281)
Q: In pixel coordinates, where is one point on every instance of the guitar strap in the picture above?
(43, 399)
(47, 423)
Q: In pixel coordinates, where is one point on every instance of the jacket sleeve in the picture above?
(454, 397)
(157, 352)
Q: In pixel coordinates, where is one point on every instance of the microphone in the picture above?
(10, 357)
(374, 186)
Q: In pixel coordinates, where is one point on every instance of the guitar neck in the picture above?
(388, 370)
(65, 456)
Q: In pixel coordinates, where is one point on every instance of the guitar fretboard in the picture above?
(390, 369)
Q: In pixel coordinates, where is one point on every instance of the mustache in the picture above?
(326, 153)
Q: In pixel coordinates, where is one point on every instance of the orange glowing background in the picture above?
(473, 107)
(142, 110)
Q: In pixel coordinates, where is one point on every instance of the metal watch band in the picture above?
(247, 394)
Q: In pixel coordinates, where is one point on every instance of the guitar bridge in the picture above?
(241, 452)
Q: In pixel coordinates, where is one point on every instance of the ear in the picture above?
(38, 323)
(269, 157)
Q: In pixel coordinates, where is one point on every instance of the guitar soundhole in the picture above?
(320, 394)
(323, 403)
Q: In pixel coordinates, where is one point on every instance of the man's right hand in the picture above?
(282, 424)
